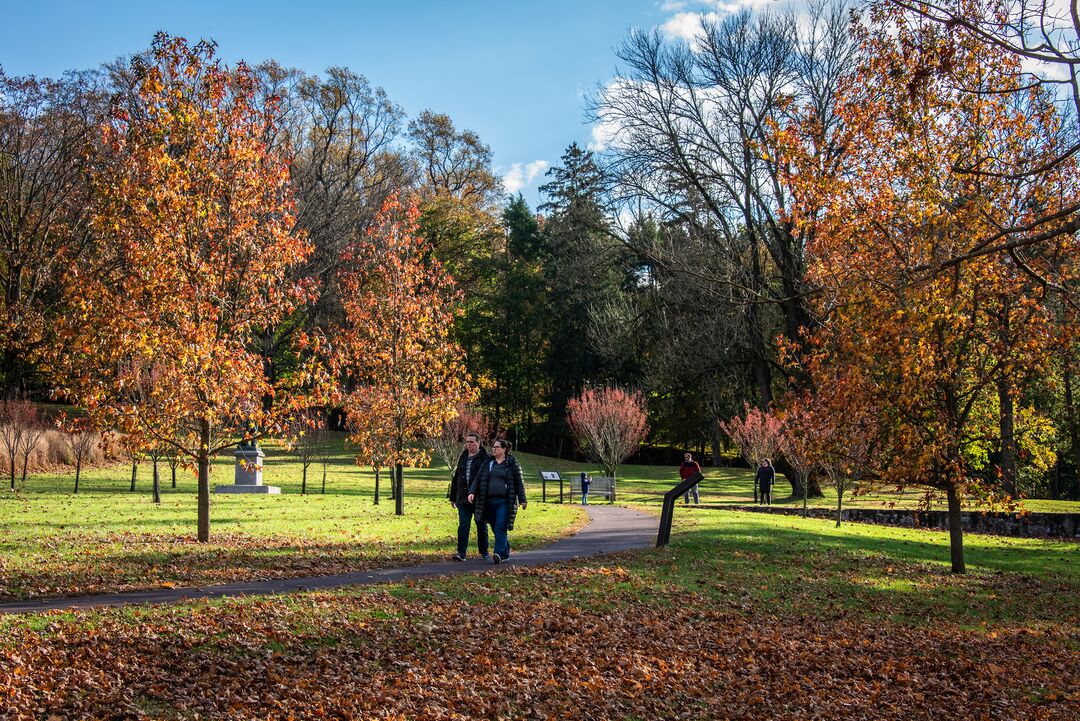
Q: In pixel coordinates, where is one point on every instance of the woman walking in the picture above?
(766, 476)
(496, 493)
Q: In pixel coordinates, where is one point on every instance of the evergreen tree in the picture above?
(581, 269)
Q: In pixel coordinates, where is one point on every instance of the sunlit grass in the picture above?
(640, 484)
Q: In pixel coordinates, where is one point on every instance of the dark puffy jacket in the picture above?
(766, 475)
(459, 484)
(516, 493)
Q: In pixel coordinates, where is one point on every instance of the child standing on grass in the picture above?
(585, 482)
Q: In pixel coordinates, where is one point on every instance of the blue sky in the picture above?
(515, 72)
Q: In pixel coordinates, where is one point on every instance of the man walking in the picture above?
(688, 468)
(468, 465)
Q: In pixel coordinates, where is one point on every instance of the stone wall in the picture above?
(1043, 525)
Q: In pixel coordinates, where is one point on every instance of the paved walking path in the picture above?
(610, 529)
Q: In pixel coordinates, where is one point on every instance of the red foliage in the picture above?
(608, 424)
(759, 435)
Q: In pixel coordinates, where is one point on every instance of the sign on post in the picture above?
(552, 476)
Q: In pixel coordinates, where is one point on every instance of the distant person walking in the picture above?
(766, 476)
(468, 467)
(585, 483)
(496, 493)
(688, 468)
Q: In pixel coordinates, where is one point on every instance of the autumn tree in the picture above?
(913, 297)
(848, 435)
(608, 424)
(801, 437)
(758, 435)
(198, 222)
(394, 348)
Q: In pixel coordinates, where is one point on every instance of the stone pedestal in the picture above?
(248, 473)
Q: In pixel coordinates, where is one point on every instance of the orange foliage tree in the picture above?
(394, 348)
(197, 219)
(917, 302)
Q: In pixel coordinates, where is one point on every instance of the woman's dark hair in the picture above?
(503, 443)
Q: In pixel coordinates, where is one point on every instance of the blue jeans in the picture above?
(692, 491)
(495, 511)
(465, 513)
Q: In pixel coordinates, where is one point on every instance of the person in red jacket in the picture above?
(688, 468)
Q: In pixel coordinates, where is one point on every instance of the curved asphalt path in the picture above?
(610, 529)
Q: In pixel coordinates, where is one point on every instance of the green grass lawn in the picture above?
(638, 484)
(107, 538)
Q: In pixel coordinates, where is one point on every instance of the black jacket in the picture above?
(459, 484)
(766, 476)
(516, 491)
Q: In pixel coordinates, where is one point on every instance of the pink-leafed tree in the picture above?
(759, 435)
(608, 424)
(446, 444)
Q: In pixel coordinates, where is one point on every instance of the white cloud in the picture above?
(686, 26)
(731, 7)
(602, 133)
(522, 174)
(1049, 71)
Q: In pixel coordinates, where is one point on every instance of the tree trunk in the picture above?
(839, 503)
(134, 472)
(303, 482)
(173, 468)
(376, 486)
(203, 462)
(11, 459)
(25, 466)
(14, 370)
(801, 484)
(78, 470)
(399, 500)
(804, 488)
(324, 480)
(956, 530)
(1070, 414)
(1008, 437)
(157, 484)
(717, 440)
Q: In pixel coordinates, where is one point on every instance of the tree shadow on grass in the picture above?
(802, 572)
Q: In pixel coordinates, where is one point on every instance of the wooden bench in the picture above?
(598, 486)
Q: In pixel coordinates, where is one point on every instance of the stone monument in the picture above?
(248, 473)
